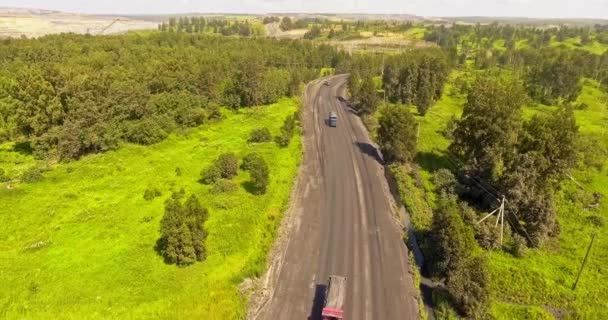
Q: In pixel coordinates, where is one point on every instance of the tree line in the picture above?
(221, 26)
(69, 95)
(416, 77)
(552, 74)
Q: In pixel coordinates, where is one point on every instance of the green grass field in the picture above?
(538, 285)
(79, 244)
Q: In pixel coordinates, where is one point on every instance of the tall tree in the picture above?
(397, 134)
(486, 137)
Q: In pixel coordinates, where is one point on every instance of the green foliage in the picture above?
(182, 239)
(517, 246)
(486, 136)
(94, 209)
(416, 77)
(211, 174)
(258, 170)
(3, 176)
(453, 241)
(144, 132)
(260, 135)
(453, 257)
(287, 131)
(555, 75)
(251, 160)
(228, 165)
(139, 88)
(469, 287)
(34, 174)
(521, 287)
(224, 186)
(152, 193)
(367, 97)
(397, 134)
(313, 33)
(286, 24)
(445, 182)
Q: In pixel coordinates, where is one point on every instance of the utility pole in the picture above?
(499, 218)
(584, 262)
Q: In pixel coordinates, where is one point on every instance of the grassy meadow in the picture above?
(80, 243)
(539, 285)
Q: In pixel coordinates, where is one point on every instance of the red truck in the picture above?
(334, 298)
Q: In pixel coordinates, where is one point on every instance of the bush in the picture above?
(444, 181)
(596, 221)
(3, 176)
(287, 131)
(145, 132)
(450, 127)
(260, 135)
(518, 246)
(211, 174)
(259, 172)
(214, 112)
(33, 174)
(228, 165)
(151, 193)
(224, 186)
(487, 235)
(251, 160)
(283, 140)
(469, 286)
(183, 237)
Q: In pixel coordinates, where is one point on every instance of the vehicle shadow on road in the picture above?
(318, 302)
(370, 150)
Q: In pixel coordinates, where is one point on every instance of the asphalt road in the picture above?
(341, 223)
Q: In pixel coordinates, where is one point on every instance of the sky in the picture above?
(437, 8)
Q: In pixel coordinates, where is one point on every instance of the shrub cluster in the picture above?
(287, 131)
(225, 167)
(258, 170)
(183, 237)
(260, 135)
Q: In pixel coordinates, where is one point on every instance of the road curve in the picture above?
(341, 223)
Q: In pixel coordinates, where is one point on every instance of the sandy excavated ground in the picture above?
(37, 23)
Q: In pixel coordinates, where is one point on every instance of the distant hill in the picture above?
(528, 21)
(17, 22)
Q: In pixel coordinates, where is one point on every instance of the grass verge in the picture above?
(80, 242)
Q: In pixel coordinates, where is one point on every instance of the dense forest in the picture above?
(68, 95)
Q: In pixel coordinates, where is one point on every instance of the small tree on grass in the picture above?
(211, 174)
(260, 135)
(454, 257)
(258, 170)
(251, 160)
(469, 286)
(182, 235)
(397, 134)
(259, 177)
(228, 165)
(287, 131)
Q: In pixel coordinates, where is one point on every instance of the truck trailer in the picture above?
(334, 298)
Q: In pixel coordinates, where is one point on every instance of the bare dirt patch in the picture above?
(15, 23)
